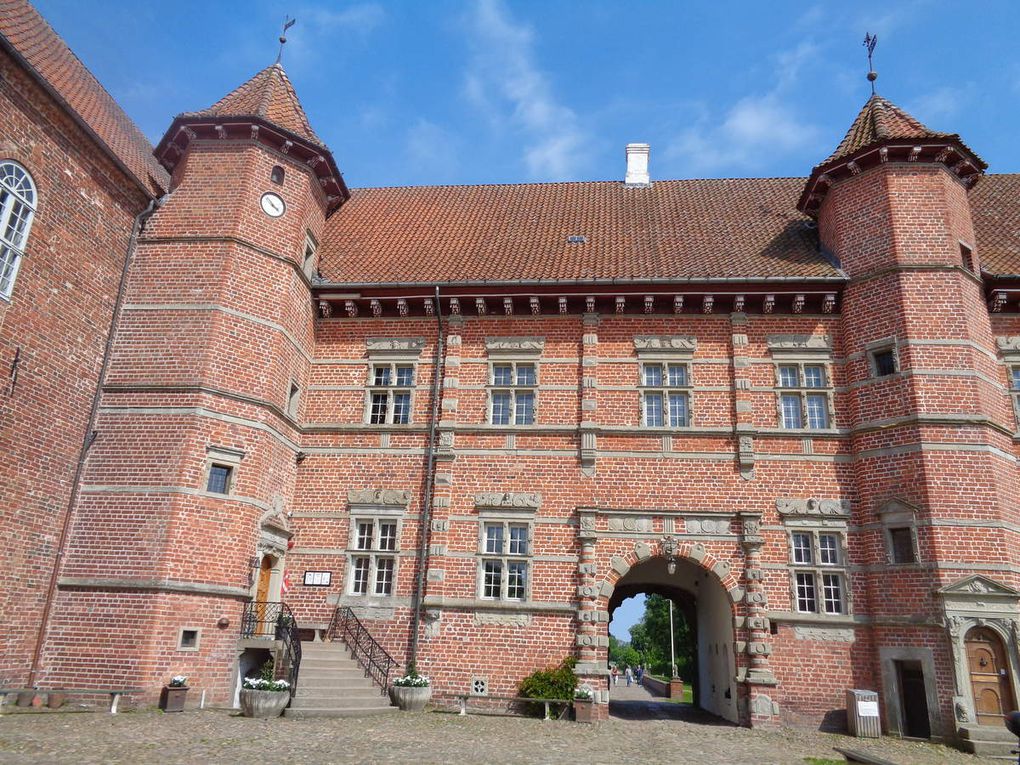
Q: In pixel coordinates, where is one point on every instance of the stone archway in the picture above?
(700, 592)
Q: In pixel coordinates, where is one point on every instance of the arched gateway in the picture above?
(722, 589)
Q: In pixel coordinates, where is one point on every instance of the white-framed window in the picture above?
(818, 571)
(390, 386)
(512, 392)
(374, 546)
(805, 396)
(505, 559)
(17, 208)
(665, 394)
(308, 263)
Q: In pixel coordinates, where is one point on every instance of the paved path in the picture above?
(216, 737)
(636, 702)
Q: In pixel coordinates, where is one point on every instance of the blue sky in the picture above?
(482, 91)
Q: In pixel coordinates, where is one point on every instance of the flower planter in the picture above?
(584, 711)
(173, 698)
(56, 700)
(263, 704)
(410, 698)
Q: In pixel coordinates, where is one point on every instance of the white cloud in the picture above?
(506, 85)
(432, 150)
(937, 105)
(360, 19)
(754, 130)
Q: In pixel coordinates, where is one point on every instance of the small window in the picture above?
(967, 257)
(219, 479)
(884, 362)
(901, 541)
(516, 404)
(805, 396)
(188, 640)
(277, 175)
(308, 264)
(665, 395)
(390, 387)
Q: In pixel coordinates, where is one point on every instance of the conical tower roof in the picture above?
(883, 132)
(266, 110)
(270, 96)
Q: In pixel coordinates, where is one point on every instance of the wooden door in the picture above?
(262, 594)
(989, 676)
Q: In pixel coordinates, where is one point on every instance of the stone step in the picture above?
(323, 701)
(991, 749)
(324, 648)
(987, 733)
(346, 711)
(317, 663)
(332, 677)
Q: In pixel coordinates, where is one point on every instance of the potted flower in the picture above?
(584, 704)
(174, 694)
(412, 691)
(264, 698)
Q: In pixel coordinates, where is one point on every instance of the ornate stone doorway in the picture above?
(989, 675)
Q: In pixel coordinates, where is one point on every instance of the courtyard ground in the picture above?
(222, 737)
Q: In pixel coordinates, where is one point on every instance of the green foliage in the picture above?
(623, 653)
(650, 639)
(551, 683)
(267, 671)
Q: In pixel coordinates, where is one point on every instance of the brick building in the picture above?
(480, 417)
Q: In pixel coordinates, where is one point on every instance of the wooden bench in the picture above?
(465, 697)
(113, 693)
(853, 755)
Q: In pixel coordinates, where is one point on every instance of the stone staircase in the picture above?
(332, 684)
(992, 741)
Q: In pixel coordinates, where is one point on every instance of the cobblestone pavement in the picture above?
(221, 737)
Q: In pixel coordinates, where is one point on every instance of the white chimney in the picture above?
(637, 164)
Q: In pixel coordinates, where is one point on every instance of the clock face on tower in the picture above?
(273, 205)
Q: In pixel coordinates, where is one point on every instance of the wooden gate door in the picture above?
(989, 676)
(262, 594)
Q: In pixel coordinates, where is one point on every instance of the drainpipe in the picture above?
(430, 466)
(90, 435)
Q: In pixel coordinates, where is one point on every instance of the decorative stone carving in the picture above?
(440, 524)
(759, 649)
(764, 706)
(392, 497)
(630, 523)
(484, 619)
(960, 707)
(980, 585)
(514, 344)
(587, 591)
(642, 551)
(670, 344)
(826, 634)
(508, 499)
(745, 455)
(752, 526)
(669, 546)
(707, 525)
(1009, 345)
(821, 508)
(383, 345)
(593, 617)
(799, 343)
(433, 617)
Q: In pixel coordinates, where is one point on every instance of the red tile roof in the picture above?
(744, 228)
(269, 95)
(995, 207)
(740, 229)
(35, 41)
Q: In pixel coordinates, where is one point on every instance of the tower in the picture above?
(182, 514)
(931, 428)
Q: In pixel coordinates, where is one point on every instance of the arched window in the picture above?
(17, 206)
(277, 175)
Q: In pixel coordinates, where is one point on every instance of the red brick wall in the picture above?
(58, 317)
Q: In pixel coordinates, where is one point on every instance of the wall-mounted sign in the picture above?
(318, 578)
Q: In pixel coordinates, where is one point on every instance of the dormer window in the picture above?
(17, 207)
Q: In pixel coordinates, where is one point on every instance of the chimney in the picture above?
(637, 164)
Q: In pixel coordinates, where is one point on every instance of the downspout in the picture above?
(90, 435)
(430, 466)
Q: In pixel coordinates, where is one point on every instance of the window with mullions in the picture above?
(17, 206)
(819, 574)
(512, 398)
(665, 395)
(805, 396)
(504, 565)
(374, 556)
(390, 387)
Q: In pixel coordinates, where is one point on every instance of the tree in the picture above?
(650, 637)
(622, 653)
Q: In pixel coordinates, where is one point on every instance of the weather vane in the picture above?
(288, 22)
(870, 41)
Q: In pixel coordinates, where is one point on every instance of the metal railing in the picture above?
(364, 648)
(271, 620)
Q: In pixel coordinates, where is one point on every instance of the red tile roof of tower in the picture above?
(47, 57)
(269, 95)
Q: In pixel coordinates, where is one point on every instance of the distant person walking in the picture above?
(629, 674)
(616, 675)
(640, 673)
